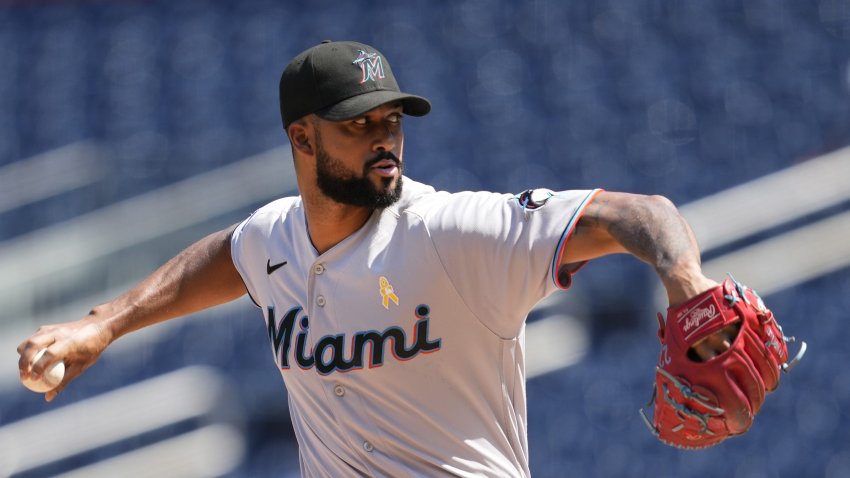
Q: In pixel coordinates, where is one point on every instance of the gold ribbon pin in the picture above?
(387, 292)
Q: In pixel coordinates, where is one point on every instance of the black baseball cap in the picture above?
(339, 81)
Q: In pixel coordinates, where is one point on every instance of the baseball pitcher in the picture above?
(396, 313)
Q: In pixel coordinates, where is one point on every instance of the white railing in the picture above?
(49, 174)
(192, 393)
(58, 256)
(790, 258)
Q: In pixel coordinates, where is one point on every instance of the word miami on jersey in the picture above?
(281, 339)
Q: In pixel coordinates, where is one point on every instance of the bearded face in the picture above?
(356, 188)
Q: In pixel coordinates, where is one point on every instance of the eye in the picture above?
(394, 118)
(360, 121)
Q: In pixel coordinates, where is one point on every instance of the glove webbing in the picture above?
(682, 410)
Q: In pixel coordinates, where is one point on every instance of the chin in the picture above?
(386, 185)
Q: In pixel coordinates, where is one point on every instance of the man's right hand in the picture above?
(77, 344)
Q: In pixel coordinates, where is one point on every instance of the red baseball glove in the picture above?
(701, 403)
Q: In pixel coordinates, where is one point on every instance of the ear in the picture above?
(301, 135)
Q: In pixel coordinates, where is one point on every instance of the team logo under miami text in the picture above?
(370, 65)
(330, 354)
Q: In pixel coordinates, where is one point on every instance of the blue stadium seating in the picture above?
(674, 98)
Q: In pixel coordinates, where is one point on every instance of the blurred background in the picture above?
(129, 129)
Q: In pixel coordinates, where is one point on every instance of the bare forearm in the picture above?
(201, 276)
(651, 229)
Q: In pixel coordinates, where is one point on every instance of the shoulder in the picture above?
(424, 201)
(274, 213)
(413, 194)
(280, 206)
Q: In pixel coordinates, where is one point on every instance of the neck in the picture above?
(329, 222)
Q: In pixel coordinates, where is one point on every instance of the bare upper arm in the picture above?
(591, 237)
(203, 275)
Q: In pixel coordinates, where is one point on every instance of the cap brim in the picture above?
(357, 105)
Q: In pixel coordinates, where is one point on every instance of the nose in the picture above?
(386, 138)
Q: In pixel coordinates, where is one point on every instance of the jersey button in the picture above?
(320, 301)
(318, 269)
(368, 446)
(339, 390)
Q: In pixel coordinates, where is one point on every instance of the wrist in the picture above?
(104, 320)
(684, 282)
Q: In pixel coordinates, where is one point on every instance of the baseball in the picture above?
(49, 380)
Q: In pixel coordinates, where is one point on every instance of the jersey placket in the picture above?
(340, 397)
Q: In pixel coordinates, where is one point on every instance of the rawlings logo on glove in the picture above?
(699, 403)
(699, 316)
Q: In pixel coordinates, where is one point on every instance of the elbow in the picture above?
(661, 206)
(661, 202)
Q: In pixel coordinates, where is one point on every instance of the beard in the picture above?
(345, 187)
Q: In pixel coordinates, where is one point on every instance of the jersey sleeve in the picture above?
(249, 250)
(502, 251)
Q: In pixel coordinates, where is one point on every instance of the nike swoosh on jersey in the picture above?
(271, 268)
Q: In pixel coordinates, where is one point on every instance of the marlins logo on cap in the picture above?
(370, 64)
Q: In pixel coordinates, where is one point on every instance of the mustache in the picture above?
(382, 155)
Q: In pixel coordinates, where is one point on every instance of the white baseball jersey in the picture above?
(402, 347)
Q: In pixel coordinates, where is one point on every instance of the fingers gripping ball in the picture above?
(701, 402)
(51, 378)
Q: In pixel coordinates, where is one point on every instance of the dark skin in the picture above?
(353, 142)
(203, 275)
(651, 229)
